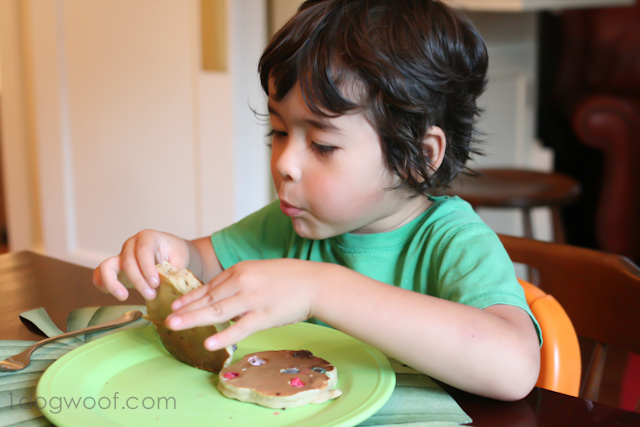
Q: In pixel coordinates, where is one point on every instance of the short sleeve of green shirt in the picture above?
(469, 272)
(447, 252)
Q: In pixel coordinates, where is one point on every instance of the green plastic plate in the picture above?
(128, 379)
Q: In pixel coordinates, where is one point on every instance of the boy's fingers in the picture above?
(187, 299)
(204, 296)
(149, 272)
(208, 297)
(218, 312)
(201, 299)
(234, 333)
(200, 292)
(132, 270)
(105, 277)
(146, 258)
(97, 280)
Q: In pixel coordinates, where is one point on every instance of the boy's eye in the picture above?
(277, 134)
(323, 150)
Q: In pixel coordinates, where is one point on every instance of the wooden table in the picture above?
(29, 280)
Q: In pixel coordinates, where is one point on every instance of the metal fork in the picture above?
(22, 360)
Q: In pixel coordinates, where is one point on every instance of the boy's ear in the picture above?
(434, 146)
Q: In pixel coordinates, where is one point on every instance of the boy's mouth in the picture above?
(289, 210)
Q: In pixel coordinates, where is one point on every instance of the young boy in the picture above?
(372, 105)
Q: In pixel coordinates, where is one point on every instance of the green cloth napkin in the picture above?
(417, 401)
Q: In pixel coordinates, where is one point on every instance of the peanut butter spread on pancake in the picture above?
(280, 379)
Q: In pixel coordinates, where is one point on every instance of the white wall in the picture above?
(126, 129)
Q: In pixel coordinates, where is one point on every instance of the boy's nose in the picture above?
(288, 162)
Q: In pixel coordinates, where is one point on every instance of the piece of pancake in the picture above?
(280, 379)
(188, 345)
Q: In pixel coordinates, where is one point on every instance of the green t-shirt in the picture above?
(447, 252)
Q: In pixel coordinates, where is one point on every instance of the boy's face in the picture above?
(329, 173)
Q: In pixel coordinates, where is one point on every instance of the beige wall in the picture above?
(113, 125)
(280, 11)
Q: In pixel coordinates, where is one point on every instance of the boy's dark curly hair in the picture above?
(406, 64)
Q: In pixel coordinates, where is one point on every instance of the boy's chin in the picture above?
(307, 230)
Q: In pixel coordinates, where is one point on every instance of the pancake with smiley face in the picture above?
(280, 379)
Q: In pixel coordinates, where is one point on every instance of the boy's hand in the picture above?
(137, 260)
(257, 294)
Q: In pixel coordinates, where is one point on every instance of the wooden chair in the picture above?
(560, 363)
(522, 189)
(599, 291)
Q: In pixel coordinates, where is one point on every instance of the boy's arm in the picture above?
(492, 352)
(203, 261)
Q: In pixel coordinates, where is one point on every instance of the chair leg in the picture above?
(558, 228)
(590, 388)
(532, 273)
(527, 223)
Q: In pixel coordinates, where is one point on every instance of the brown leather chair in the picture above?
(590, 115)
(593, 97)
(599, 291)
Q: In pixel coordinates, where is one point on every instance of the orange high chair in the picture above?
(560, 353)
